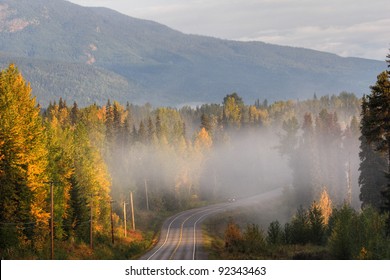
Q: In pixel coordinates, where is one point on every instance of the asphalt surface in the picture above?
(181, 234)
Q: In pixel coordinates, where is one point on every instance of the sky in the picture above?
(358, 28)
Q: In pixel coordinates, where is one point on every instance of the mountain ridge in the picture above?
(129, 59)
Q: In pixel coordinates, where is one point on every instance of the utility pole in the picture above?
(132, 210)
(52, 219)
(112, 223)
(124, 216)
(91, 228)
(146, 194)
(349, 183)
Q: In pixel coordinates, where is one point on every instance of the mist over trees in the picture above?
(170, 159)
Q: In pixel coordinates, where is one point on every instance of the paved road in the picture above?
(181, 235)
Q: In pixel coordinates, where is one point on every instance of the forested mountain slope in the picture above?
(92, 54)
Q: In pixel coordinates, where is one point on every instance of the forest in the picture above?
(70, 176)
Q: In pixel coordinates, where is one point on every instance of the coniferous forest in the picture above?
(69, 175)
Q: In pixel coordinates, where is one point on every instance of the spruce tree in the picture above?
(375, 143)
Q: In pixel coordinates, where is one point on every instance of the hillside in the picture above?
(92, 54)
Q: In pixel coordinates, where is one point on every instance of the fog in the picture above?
(248, 164)
(174, 171)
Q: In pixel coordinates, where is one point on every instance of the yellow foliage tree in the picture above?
(203, 141)
(325, 205)
(23, 176)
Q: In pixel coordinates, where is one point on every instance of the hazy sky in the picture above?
(347, 27)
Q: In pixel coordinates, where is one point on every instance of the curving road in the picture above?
(181, 235)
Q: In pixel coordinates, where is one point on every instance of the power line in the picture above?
(19, 223)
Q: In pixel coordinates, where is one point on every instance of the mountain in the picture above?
(92, 54)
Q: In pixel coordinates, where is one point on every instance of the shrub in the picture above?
(233, 237)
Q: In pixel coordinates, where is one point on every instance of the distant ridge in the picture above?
(92, 54)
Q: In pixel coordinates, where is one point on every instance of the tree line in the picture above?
(171, 159)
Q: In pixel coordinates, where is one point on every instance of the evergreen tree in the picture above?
(316, 229)
(275, 233)
(372, 166)
(300, 227)
(109, 121)
(142, 133)
(375, 144)
(254, 240)
(74, 113)
(159, 130)
(205, 122)
(151, 133)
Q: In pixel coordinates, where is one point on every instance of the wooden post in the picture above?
(146, 194)
(112, 223)
(124, 216)
(132, 210)
(349, 183)
(52, 219)
(91, 228)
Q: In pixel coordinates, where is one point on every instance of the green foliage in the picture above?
(254, 239)
(95, 154)
(348, 235)
(232, 110)
(89, 54)
(372, 237)
(358, 236)
(275, 233)
(374, 179)
(299, 227)
(316, 229)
